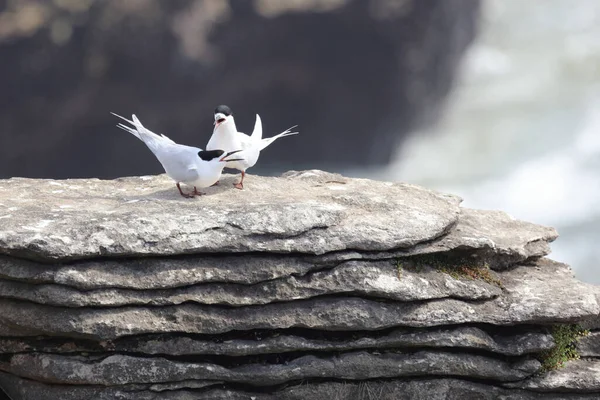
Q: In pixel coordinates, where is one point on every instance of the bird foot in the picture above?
(215, 184)
(238, 185)
(186, 195)
(197, 193)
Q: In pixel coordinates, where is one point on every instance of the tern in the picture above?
(184, 164)
(226, 137)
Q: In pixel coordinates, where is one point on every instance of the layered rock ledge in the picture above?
(309, 285)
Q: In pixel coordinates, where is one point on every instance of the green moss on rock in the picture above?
(565, 348)
(457, 268)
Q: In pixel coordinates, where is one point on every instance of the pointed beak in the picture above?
(218, 122)
(223, 159)
(219, 119)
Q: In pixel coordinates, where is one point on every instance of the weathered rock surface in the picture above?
(575, 376)
(593, 323)
(589, 346)
(305, 212)
(157, 272)
(478, 233)
(503, 240)
(434, 389)
(161, 272)
(337, 283)
(528, 298)
(370, 279)
(120, 370)
(19, 388)
(468, 338)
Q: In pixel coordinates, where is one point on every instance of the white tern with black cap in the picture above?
(226, 136)
(183, 164)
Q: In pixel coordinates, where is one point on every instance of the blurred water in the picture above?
(522, 129)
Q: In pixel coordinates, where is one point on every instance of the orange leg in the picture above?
(240, 184)
(197, 193)
(187, 196)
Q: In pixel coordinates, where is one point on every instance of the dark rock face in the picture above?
(354, 74)
(446, 389)
(178, 345)
(120, 370)
(311, 285)
(589, 346)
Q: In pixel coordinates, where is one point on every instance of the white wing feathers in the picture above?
(180, 162)
(257, 132)
(152, 140)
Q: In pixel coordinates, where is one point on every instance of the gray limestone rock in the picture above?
(465, 338)
(376, 279)
(422, 389)
(503, 240)
(544, 293)
(576, 376)
(157, 272)
(304, 212)
(494, 237)
(124, 370)
(593, 323)
(22, 389)
(109, 288)
(185, 384)
(491, 242)
(426, 389)
(589, 346)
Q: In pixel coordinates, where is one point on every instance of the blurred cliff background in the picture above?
(495, 100)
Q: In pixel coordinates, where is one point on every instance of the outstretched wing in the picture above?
(258, 131)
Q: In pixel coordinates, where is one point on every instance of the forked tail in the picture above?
(265, 142)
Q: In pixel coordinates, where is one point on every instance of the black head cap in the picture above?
(223, 110)
(208, 155)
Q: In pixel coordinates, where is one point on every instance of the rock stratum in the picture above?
(308, 285)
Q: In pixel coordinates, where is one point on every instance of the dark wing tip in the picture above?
(207, 155)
